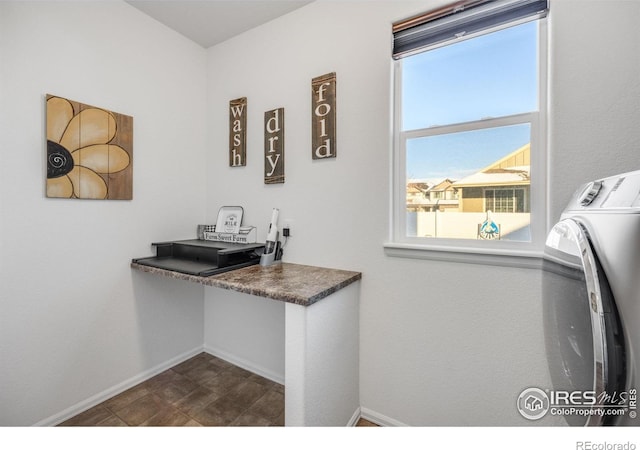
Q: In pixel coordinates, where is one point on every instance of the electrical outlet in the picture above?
(286, 228)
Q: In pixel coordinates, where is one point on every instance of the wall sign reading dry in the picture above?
(89, 151)
(274, 146)
(323, 116)
(238, 132)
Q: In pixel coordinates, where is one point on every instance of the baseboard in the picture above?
(245, 364)
(354, 419)
(115, 390)
(361, 412)
(380, 419)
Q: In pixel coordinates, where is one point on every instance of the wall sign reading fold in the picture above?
(238, 132)
(89, 152)
(274, 146)
(323, 116)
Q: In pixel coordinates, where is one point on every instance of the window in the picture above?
(505, 200)
(469, 135)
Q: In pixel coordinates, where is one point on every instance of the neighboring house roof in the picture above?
(497, 177)
(416, 188)
(513, 169)
(418, 194)
(421, 185)
(441, 186)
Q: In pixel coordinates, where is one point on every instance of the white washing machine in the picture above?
(591, 289)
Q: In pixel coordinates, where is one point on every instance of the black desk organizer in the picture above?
(202, 258)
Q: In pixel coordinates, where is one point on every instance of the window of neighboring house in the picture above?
(505, 200)
(469, 111)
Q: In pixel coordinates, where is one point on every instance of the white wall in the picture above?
(441, 343)
(75, 320)
(595, 92)
(246, 330)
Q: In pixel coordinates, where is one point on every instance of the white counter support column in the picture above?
(322, 360)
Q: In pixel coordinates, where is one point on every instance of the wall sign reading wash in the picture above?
(323, 116)
(238, 132)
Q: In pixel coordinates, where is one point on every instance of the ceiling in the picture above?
(209, 22)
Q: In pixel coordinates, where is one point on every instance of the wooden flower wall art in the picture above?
(89, 152)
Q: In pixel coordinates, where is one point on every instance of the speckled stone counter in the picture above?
(291, 283)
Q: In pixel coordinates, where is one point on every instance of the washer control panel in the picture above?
(613, 193)
(590, 193)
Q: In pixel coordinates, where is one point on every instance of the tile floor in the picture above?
(202, 391)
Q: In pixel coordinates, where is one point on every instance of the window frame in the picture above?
(518, 253)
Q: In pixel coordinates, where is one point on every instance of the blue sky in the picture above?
(456, 156)
(490, 76)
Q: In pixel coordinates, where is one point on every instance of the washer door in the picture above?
(582, 329)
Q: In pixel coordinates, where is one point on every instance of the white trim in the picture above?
(523, 259)
(354, 418)
(398, 155)
(245, 364)
(115, 390)
(473, 125)
(380, 419)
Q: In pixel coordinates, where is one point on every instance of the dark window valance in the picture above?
(459, 19)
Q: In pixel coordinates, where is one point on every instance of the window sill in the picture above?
(524, 259)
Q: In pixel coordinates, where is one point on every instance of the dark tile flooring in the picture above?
(202, 391)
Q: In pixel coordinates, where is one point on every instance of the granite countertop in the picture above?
(292, 283)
